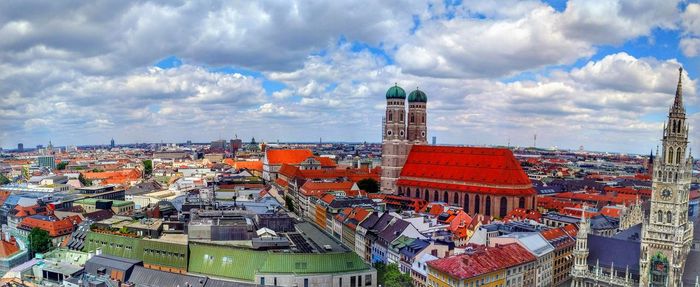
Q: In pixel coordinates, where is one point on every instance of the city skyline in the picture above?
(573, 74)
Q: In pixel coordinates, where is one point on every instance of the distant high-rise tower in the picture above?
(668, 234)
(401, 131)
(111, 143)
(434, 140)
(20, 147)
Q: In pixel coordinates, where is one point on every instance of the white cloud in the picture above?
(615, 21)
(690, 21)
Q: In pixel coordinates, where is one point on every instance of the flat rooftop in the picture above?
(319, 238)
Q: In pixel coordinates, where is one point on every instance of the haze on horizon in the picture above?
(576, 73)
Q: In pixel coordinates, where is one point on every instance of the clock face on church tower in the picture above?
(666, 194)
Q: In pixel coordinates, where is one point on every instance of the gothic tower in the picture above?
(417, 128)
(394, 144)
(667, 234)
(578, 273)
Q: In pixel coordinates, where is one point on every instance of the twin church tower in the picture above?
(402, 129)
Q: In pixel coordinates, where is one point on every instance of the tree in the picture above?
(84, 181)
(289, 203)
(369, 185)
(39, 240)
(61, 165)
(4, 179)
(390, 276)
(148, 167)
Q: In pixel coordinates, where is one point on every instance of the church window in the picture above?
(466, 202)
(678, 155)
(521, 202)
(488, 205)
(669, 217)
(445, 197)
(670, 155)
(401, 117)
(660, 216)
(422, 119)
(436, 196)
(456, 199)
(675, 125)
(391, 116)
(412, 118)
(477, 204)
(503, 207)
(427, 196)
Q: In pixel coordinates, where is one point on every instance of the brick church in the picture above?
(481, 180)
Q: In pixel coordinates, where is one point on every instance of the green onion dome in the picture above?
(395, 92)
(417, 96)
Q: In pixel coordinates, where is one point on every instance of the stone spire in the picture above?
(677, 107)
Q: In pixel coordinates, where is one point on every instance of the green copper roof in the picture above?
(244, 264)
(395, 92)
(418, 96)
(150, 251)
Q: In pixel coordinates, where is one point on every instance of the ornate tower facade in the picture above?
(417, 128)
(394, 144)
(580, 269)
(667, 235)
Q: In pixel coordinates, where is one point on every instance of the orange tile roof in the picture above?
(281, 182)
(7, 248)
(249, 165)
(328, 198)
(54, 226)
(290, 156)
(315, 188)
(611, 211)
(325, 161)
(289, 171)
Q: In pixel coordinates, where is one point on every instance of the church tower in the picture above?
(394, 144)
(580, 269)
(667, 235)
(417, 127)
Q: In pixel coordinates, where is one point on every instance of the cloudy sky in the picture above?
(595, 73)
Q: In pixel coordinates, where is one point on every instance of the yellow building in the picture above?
(479, 266)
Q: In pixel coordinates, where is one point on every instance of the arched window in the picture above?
(436, 196)
(445, 196)
(427, 196)
(675, 125)
(660, 216)
(488, 205)
(521, 202)
(422, 119)
(456, 199)
(477, 204)
(670, 155)
(466, 202)
(678, 155)
(417, 193)
(412, 118)
(391, 116)
(401, 191)
(503, 207)
(669, 217)
(401, 117)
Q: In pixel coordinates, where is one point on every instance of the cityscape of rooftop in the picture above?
(570, 72)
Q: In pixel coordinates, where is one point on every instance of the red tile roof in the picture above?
(7, 248)
(290, 156)
(54, 226)
(472, 169)
(289, 171)
(482, 260)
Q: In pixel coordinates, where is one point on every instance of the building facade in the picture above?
(668, 233)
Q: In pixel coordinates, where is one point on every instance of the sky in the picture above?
(597, 74)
